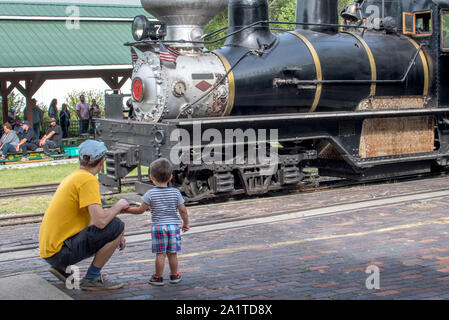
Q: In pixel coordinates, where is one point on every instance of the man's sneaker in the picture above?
(61, 275)
(24, 159)
(175, 278)
(99, 283)
(156, 281)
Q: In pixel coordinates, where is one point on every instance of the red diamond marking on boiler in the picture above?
(203, 86)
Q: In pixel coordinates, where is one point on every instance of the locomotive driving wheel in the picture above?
(197, 186)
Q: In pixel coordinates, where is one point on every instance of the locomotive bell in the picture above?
(185, 19)
(350, 13)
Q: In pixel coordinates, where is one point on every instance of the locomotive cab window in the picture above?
(409, 23)
(418, 24)
(445, 30)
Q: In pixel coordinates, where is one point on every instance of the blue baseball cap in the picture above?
(95, 149)
(25, 122)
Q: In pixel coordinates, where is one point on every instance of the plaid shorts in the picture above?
(166, 238)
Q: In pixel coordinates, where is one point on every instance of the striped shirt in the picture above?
(164, 203)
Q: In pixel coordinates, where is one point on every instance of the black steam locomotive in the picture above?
(366, 98)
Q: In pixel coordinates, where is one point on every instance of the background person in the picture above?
(94, 113)
(11, 116)
(17, 127)
(75, 225)
(82, 110)
(64, 120)
(28, 140)
(52, 139)
(38, 116)
(53, 110)
(8, 141)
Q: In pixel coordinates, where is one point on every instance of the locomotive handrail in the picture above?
(238, 31)
(310, 116)
(412, 62)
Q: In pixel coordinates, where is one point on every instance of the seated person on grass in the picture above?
(28, 140)
(52, 139)
(75, 225)
(9, 140)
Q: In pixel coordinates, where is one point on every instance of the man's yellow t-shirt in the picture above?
(67, 213)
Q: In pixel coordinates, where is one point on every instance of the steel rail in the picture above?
(394, 199)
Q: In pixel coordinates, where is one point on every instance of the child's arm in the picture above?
(137, 210)
(184, 216)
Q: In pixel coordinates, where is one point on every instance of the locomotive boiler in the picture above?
(360, 94)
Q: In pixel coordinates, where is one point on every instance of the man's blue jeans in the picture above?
(84, 126)
(8, 148)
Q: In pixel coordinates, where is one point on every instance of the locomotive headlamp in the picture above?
(140, 28)
(137, 89)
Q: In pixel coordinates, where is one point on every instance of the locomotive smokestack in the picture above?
(185, 19)
(317, 11)
(242, 13)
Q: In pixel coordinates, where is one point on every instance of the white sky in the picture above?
(60, 88)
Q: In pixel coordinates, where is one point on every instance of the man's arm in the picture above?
(101, 217)
(20, 143)
(78, 110)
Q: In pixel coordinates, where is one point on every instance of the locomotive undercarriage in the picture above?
(327, 144)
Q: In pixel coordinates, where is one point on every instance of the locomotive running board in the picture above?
(311, 116)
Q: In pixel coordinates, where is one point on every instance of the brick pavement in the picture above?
(315, 258)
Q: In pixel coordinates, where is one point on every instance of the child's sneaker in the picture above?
(156, 281)
(175, 278)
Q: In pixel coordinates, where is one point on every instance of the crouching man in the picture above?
(75, 225)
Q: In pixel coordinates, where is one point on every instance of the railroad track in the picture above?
(321, 185)
(29, 251)
(44, 189)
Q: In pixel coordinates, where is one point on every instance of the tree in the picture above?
(279, 10)
(16, 102)
(220, 21)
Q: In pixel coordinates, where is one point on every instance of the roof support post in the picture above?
(114, 83)
(31, 87)
(6, 91)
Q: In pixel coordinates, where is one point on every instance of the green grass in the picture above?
(24, 205)
(37, 175)
(42, 175)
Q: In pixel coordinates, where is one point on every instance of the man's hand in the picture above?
(185, 228)
(122, 204)
(17, 148)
